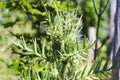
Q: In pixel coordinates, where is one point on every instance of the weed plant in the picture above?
(57, 56)
(56, 53)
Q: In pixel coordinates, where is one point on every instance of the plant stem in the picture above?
(99, 14)
(97, 34)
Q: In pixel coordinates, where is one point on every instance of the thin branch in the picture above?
(97, 34)
(95, 7)
(104, 42)
(104, 7)
(100, 7)
(98, 24)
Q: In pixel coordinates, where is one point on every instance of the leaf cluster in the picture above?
(59, 55)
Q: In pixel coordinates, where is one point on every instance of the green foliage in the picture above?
(58, 54)
(51, 50)
(38, 8)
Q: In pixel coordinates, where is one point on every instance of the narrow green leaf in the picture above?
(15, 43)
(43, 48)
(97, 67)
(24, 44)
(35, 11)
(83, 72)
(35, 48)
(26, 4)
(105, 65)
(91, 69)
(84, 42)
